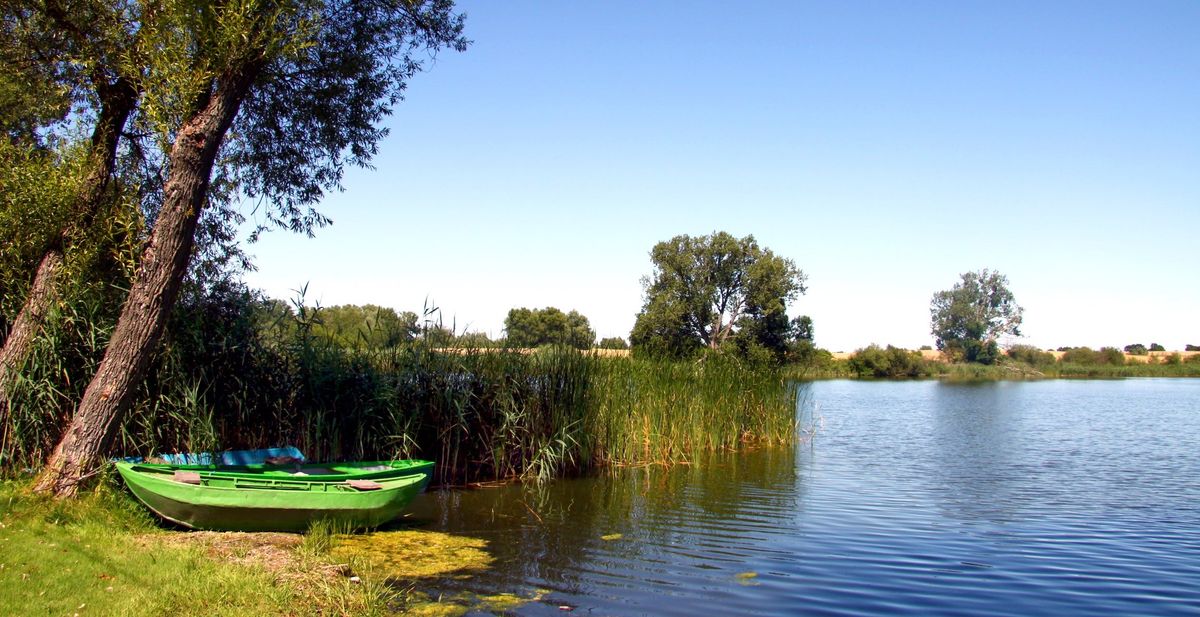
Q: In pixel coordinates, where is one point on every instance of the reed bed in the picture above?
(234, 374)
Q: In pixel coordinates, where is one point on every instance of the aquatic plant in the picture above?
(240, 372)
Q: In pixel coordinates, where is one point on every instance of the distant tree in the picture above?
(1088, 356)
(437, 335)
(1157, 347)
(613, 342)
(798, 346)
(925, 348)
(1191, 348)
(549, 326)
(367, 327)
(706, 290)
(969, 318)
(1136, 349)
(874, 361)
(802, 328)
(474, 340)
(1030, 355)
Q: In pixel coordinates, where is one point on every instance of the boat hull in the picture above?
(314, 472)
(266, 504)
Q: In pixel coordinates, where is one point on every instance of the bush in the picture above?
(1030, 355)
(1089, 357)
(1174, 358)
(1136, 349)
(874, 361)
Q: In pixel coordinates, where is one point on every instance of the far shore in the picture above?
(1152, 357)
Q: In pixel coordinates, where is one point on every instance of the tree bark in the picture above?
(25, 328)
(155, 288)
(117, 101)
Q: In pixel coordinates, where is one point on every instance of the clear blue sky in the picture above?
(885, 147)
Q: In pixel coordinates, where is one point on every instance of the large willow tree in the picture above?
(56, 56)
(275, 98)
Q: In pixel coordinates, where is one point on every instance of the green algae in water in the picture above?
(412, 554)
(612, 536)
(747, 578)
(422, 605)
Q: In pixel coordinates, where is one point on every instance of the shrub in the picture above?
(874, 361)
(1089, 357)
(1111, 355)
(1174, 358)
(1030, 355)
(1136, 349)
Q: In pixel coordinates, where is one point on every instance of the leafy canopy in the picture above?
(549, 326)
(707, 289)
(968, 319)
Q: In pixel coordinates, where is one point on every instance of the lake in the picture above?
(922, 498)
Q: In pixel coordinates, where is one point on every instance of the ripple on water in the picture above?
(1045, 498)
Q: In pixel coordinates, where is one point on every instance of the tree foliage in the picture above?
(1030, 355)
(1136, 349)
(1087, 356)
(368, 326)
(613, 342)
(969, 318)
(549, 326)
(267, 100)
(709, 291)
(893, 362)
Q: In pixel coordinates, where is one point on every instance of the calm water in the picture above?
(923, 498)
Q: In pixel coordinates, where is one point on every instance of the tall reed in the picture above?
(240, 373)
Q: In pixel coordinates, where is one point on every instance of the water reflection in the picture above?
(920, 498)
(974, 456)
(686, 527)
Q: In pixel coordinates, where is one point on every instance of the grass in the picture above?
(102, 555)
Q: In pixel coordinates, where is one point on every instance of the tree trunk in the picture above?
(116, 103)
(155, 287)
(29, 322)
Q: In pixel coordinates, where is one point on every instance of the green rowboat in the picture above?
(315, 472)
(221, 502)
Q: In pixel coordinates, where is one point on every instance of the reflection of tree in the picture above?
(975, 431)
(550, 536)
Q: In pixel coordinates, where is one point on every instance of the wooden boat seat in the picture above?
(187, 477)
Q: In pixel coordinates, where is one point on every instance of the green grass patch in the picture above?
(102, 555)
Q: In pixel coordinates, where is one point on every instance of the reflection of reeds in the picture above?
(229, 379)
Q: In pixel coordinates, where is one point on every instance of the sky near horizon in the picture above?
(885, 147)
